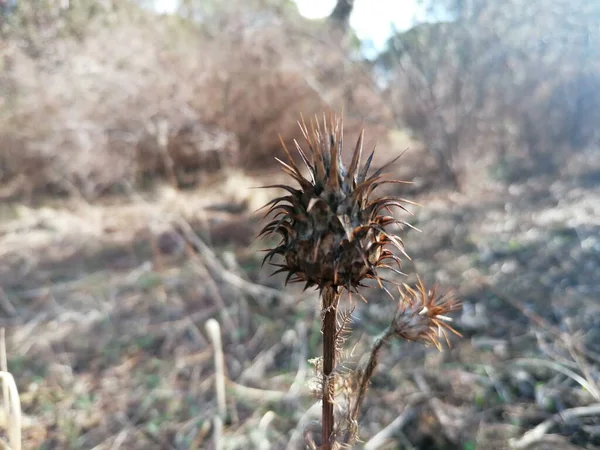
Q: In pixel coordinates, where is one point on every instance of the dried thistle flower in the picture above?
(422, 314)
(333, 234)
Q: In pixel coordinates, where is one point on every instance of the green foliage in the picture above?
(469, 445)
(84, 401)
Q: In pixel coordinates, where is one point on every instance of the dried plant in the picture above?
(334, 236)
(421, 316)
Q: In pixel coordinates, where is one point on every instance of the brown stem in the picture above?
(331, 298)
(363, 386)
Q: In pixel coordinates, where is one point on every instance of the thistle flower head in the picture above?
(332, 233)
(422, 315)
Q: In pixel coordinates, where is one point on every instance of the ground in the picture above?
(105, 306)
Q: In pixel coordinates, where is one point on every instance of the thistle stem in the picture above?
(365, 379)
(331, 299)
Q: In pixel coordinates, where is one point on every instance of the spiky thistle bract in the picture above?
(332, 228)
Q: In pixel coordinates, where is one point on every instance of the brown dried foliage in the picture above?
(77, 106)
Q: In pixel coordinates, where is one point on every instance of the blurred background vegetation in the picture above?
(128, 139)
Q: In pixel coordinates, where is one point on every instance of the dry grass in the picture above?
(145, 314)
(108, 347)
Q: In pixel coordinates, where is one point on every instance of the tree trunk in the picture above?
(340, 16)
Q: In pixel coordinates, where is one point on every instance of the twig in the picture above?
(365, 379)
(296, 386)
(263, 425)
(537, 433)
(504, 393)
(262, 395)
(11, 398)
(434, 403)
(258, 367)
(4, 368)
(379, 439)
(119, 439)
(220, 272)
(201, 434)
(6, 305)
(559, 368)
(218, 432)
(582, 365)
(14, 425)
(309, 415)
(215, 293)
(214, 333)
(61, 287)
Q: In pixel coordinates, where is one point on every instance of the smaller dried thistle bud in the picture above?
(422, 315)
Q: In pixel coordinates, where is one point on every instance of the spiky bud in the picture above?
(332, 233)
(422, 315)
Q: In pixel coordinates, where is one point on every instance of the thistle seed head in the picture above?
(422, 315)
(333, 234)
